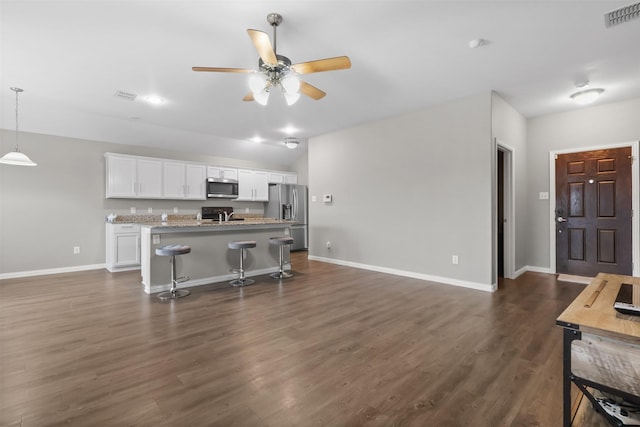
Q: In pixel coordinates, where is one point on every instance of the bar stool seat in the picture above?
(281, 242)
(242, 245)
(172, 251)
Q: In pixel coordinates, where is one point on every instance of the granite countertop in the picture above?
(212, 223)
(190, 221)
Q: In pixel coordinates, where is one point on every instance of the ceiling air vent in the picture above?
(125, 95)
(622, 15)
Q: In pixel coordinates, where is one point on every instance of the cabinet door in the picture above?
(195, 180)
(214, 172)
(276, 178)
(121, 176)
(173, 180)
(261, 186)
(230, 173)
(222, 172)
(127, 249)
(245, 185)
(149, 181)
(290, 178)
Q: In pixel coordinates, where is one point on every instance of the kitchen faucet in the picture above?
(227, 216)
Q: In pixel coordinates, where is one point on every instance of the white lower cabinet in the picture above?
(123, 247)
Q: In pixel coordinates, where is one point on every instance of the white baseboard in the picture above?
(19, 274)
(411, 274)
(532, 269)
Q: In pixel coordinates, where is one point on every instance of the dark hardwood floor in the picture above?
(333, 346)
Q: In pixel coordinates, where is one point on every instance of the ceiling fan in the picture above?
(277, 70)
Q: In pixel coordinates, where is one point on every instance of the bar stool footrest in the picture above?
(241, 282)
(283, 275)
(169, 295)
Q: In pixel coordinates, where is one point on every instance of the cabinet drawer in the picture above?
(126, 228)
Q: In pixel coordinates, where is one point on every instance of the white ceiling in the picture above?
(70, 57)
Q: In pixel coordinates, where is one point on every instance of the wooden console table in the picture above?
(601, 347)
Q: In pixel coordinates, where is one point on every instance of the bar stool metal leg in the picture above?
(242, 245)
(281, 241)
(172, 251)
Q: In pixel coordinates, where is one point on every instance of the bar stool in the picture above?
(281, 242)
(171, 251)
(242, 245)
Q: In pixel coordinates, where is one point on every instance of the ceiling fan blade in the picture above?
(248, 97)
(311, 91)
(261, 41)
(329, 64)
(222, 70)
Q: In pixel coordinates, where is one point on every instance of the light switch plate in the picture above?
(544, 195)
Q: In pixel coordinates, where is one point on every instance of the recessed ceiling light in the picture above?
(257, 139)
(475, 43)
(154, 99)
(289, 130)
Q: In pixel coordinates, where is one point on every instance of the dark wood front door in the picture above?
(593, 212)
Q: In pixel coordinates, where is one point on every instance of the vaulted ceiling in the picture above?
(71, 57)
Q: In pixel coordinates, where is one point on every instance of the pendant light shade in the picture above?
(16, 157)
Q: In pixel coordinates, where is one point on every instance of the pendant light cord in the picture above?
(17, 90)
(17, 131)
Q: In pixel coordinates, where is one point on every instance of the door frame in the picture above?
(509, 236)
(635, 200)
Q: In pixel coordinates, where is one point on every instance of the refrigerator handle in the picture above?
(295, 203)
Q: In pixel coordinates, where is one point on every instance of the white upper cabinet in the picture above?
(222, 172)
(184, 181)
(149, 178)
(290, 178)
(253, 186)
(276, 178)
(173, 180)
(195, 180)
(282, 178)
(133, 177)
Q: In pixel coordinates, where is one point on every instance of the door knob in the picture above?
(560, 219)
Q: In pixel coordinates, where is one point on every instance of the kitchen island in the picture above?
(210, 260)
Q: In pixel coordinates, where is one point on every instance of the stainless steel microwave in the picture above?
(222, 188)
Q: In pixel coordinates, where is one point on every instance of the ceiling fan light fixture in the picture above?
(585, 97)
(257, 83)
(291, 143)
(291, 84)
(291, 98)
(261, 97)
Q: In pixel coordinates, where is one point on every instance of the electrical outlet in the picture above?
(175, 210)
(133, 210)
(454, 259)
(76, 250)
(149, 210)
(155, 239)
(328, 245)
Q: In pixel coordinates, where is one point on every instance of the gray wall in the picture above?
(47, 210)
(582, 128)
(408, 192)
(301, 167)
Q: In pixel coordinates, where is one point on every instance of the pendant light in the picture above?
(16, 157)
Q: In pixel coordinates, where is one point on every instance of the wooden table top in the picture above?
(592, 311)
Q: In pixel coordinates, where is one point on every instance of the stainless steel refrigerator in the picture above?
(289, 202)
